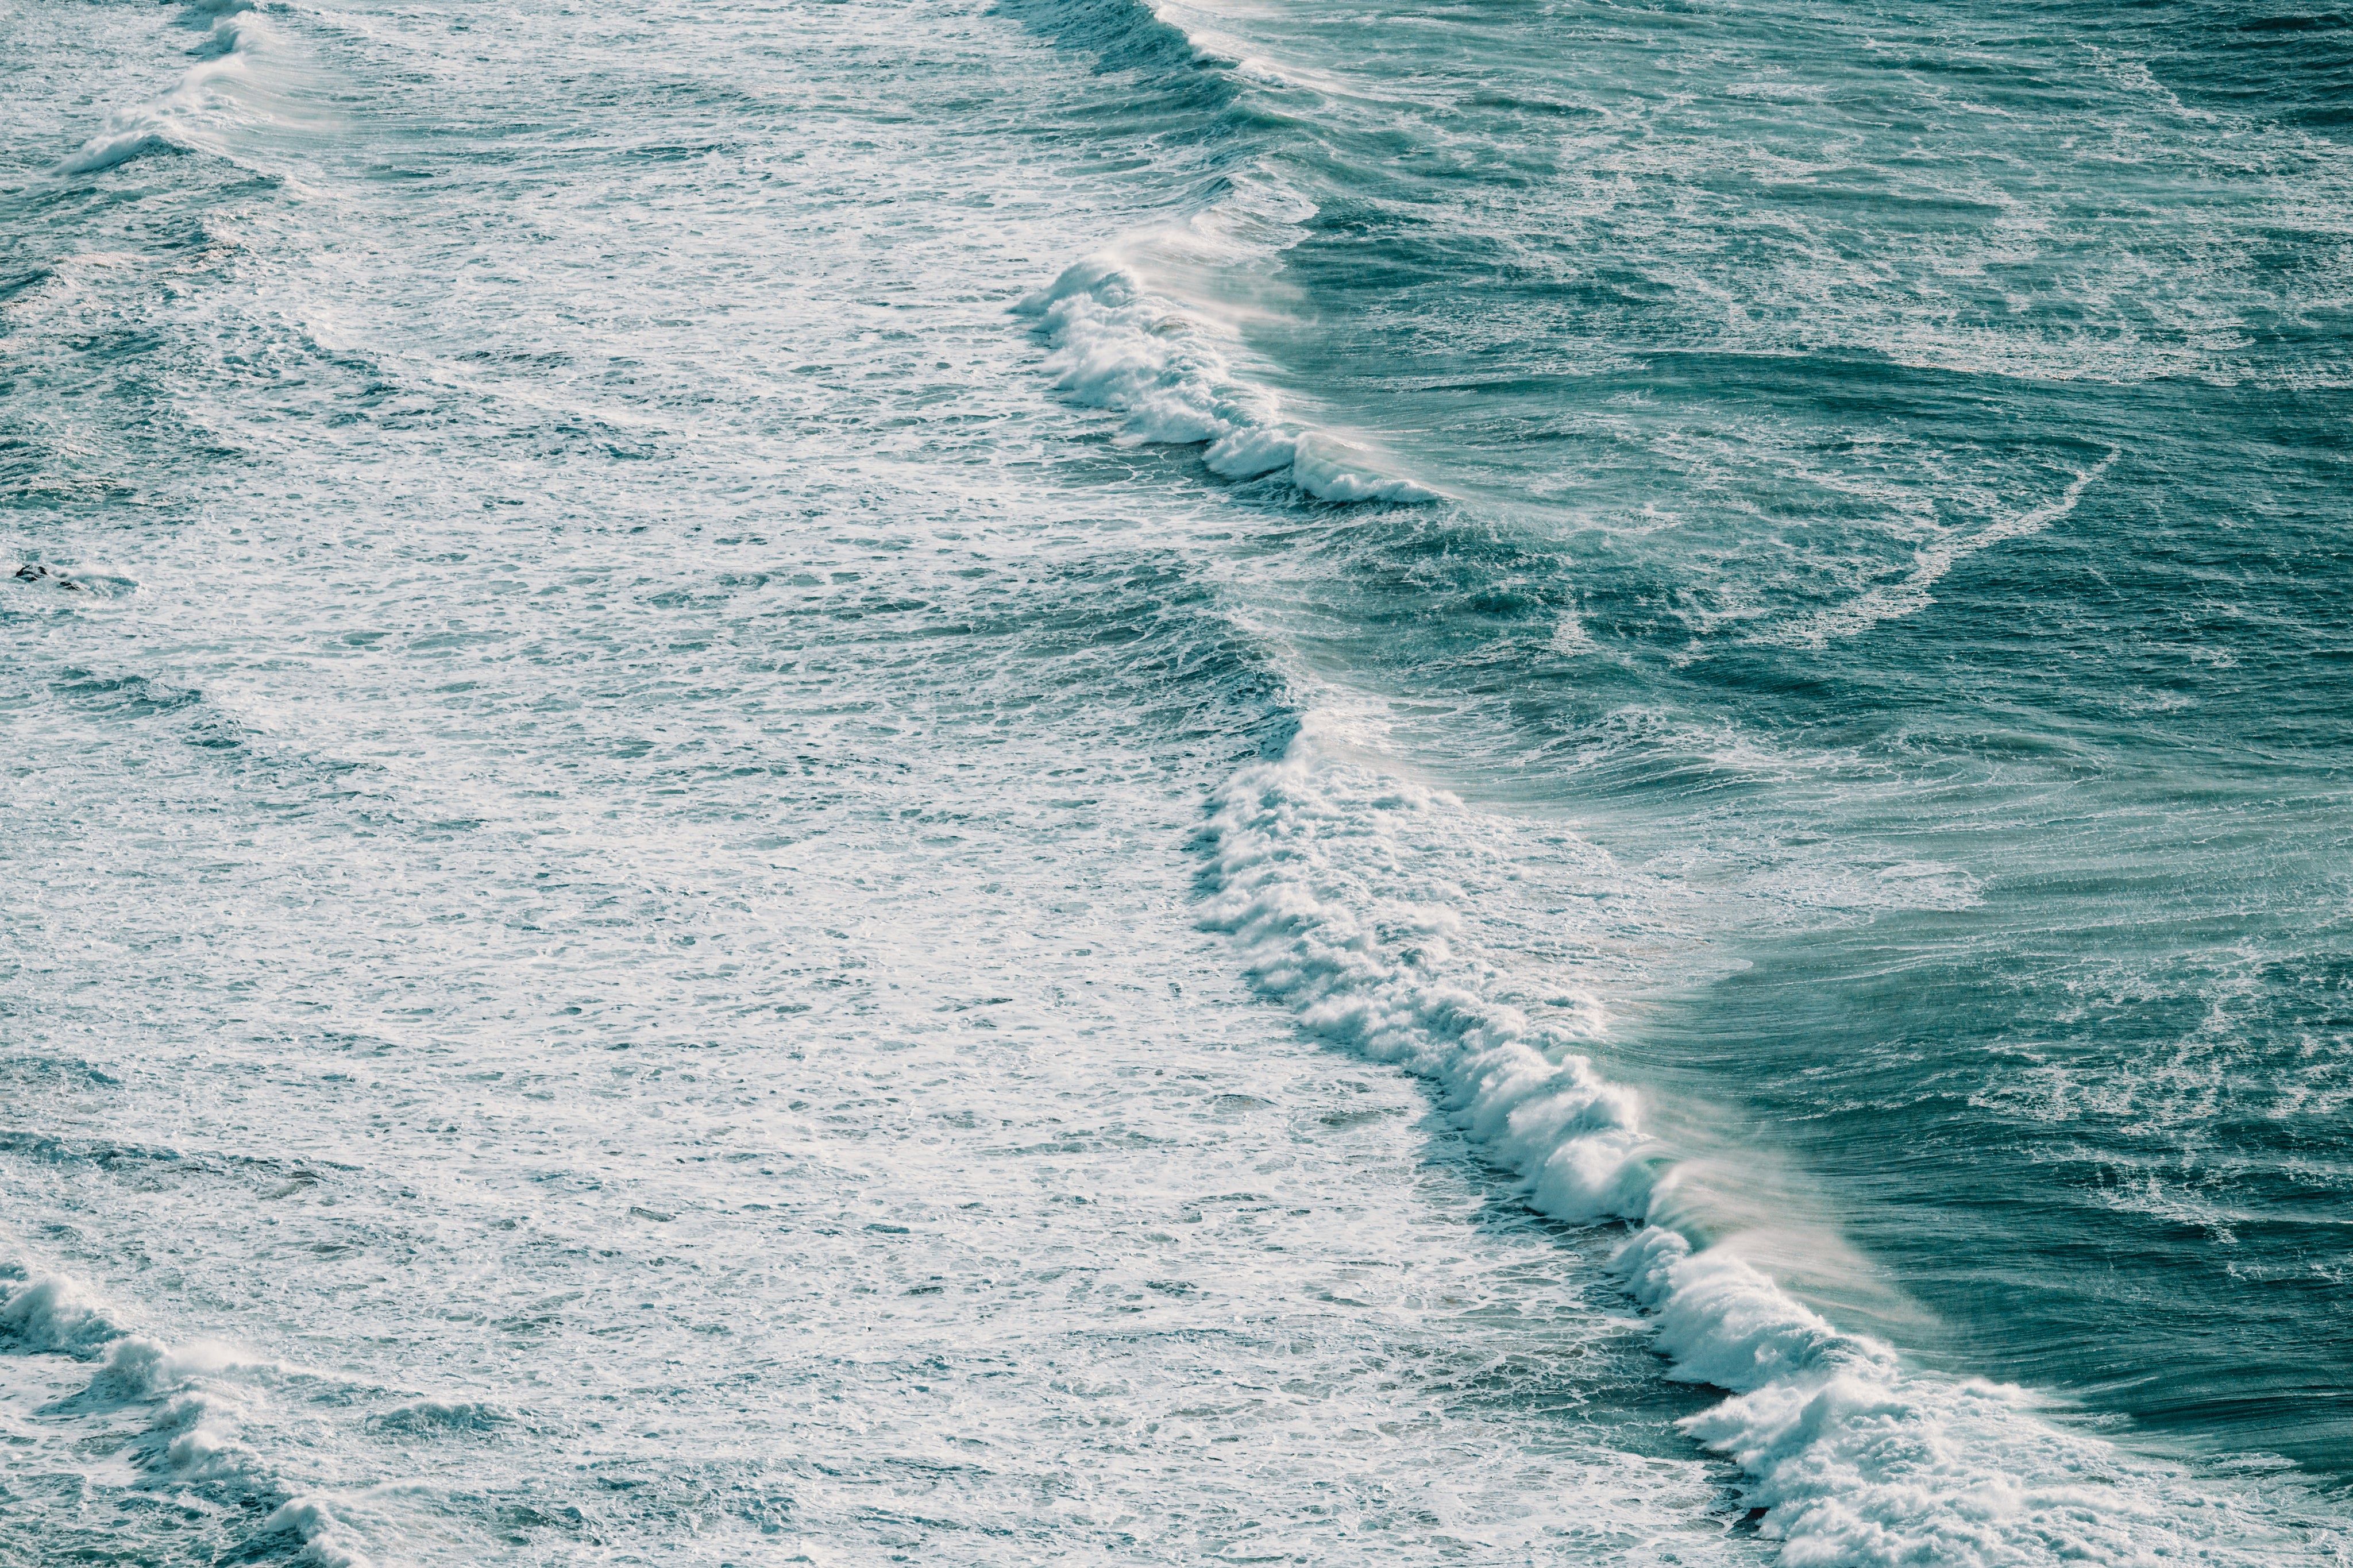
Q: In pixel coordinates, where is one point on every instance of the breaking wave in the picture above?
(1121, 340)
(1338, 883)
(1118, 345)
(186, 118)
(188, 1407)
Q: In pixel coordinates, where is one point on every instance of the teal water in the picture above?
(1072, 781)
(1944, 414)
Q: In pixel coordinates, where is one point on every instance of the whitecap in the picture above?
(1857, 1456)
(1117, 344)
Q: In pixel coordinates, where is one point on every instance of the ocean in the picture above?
(1005, 781)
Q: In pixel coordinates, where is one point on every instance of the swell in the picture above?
(1344, 889)
(1147, 327)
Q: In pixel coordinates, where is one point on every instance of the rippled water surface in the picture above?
(1067, 781)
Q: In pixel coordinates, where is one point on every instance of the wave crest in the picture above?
(1116, 345)
(191, 1404)
(1340, 885)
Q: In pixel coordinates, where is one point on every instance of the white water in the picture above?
(1117, 345)
(612, 949)
(1360, 900)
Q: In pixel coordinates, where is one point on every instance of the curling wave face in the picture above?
(1116, 345)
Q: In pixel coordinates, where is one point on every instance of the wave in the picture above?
(1118, 342)
(1118, 345)
(194, 1402)
(434, 1415)
(1339, 884)
(250, 97)
(1126, 36)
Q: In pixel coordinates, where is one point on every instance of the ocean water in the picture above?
(1003, 781)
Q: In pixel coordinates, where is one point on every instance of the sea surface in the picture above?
(1010, 782)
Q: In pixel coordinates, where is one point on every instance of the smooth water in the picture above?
(1060, 780)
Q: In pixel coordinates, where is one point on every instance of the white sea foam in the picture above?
(185, 118)
(1118, 345)
(1933, 560)
(1324, 873)
(191, 1403)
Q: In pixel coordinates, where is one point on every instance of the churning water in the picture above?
(1072, 781)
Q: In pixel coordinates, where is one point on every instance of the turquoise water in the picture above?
(1067, 781)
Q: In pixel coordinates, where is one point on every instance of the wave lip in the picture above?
(186, 119)
(1334, 880)
(1117, 345)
